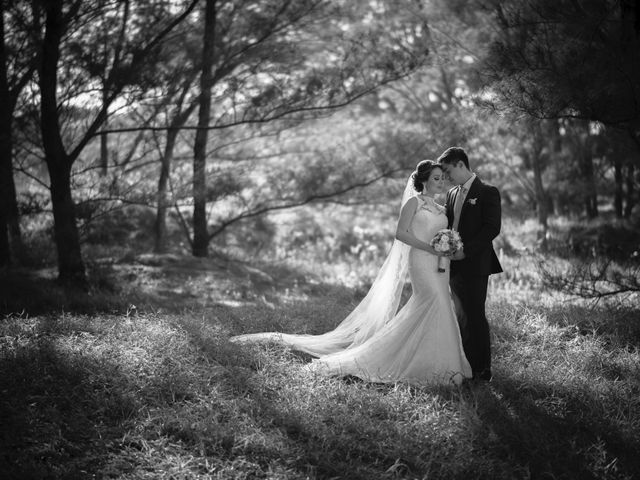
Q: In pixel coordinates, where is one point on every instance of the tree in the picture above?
(568, 59)
(178, 116)
(281, 62)
(573, 61)
(619, 151)
(536, 153)
(16, 70)
(130, 53)
(200, 235)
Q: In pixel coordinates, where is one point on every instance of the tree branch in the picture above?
(592, 280)
(245, 121)
(119, 84)
(292, 203)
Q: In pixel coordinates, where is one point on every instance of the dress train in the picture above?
(419, 344)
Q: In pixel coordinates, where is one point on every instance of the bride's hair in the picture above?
(422, 173)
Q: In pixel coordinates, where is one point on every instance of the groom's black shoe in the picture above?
(483, 375)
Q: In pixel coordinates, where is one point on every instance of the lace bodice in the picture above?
(429, 218)
(430, 205)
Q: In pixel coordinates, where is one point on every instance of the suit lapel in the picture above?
(473, 192)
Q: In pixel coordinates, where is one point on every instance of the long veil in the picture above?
(378, 307)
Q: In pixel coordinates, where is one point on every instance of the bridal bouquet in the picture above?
(447, 242)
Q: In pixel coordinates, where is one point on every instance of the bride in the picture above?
(420, 343)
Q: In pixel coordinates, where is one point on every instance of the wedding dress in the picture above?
(419, 344)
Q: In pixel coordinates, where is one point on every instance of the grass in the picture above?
(136, 379)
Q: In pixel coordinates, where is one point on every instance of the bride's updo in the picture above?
(422, 173)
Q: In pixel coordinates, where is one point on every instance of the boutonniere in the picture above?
(472, 201)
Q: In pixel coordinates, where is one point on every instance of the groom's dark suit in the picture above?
(479, 224)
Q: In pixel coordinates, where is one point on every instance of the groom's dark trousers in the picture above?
(479, 224)
(474, 327)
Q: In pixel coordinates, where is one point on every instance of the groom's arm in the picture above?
(491, 218)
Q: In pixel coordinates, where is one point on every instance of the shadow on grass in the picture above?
(72, 408)
(618, 327)
(347, 434)
(169, 283)
(65, 413)
(37, 292)
(520, 428)
(553, 432)
(61, 416)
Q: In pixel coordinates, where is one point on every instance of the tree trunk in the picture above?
(200, 235)
(5, 252)
(104, 147)
(180, 117)
(589, 194)
(11, 247)
(630, 193)
(5, 150)
(162, 205)
(542, 201)
(533, 159)
(618, 193)
(7, 187)
(70, 265)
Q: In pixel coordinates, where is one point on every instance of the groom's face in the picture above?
(457, 172)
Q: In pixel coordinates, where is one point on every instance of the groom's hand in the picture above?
(459, 255)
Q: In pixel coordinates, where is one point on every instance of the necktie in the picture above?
(457, 208)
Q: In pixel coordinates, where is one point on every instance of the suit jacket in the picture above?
(479, 224)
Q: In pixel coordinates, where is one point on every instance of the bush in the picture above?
(122, 226)
(619, 241)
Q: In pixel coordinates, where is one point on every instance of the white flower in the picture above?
(446, 241)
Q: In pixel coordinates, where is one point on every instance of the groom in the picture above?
(473, 209)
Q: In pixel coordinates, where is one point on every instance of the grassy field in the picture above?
(136, 380)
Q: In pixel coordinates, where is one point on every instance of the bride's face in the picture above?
(435, 184)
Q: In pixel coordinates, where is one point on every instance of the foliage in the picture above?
(568, 59)
(594, 279)
(613, 241)
(133, 376)
(595, 262)
(289, 174)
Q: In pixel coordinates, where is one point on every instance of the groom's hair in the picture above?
(453, 155)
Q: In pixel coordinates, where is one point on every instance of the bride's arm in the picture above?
(402, 231)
